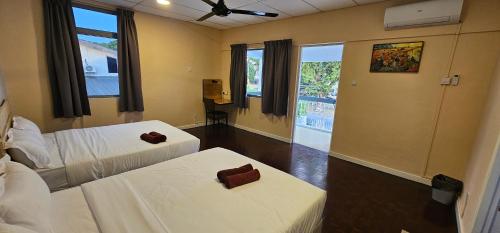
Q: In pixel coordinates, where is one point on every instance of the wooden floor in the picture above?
(360, 199)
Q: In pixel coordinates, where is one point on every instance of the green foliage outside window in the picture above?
(110, 45)
(253, 66)
(319, 78)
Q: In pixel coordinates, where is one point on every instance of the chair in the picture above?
(211, 113)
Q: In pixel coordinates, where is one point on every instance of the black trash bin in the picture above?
(445, 189)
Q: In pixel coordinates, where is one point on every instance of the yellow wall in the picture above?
(486, 147)
(175, 57)
(406, 122)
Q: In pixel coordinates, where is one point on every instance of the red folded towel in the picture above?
(241, 179)
(154, 139)
(233, 171)
(161, 137)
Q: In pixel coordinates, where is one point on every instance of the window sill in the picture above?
(254, 96)
(103, 96)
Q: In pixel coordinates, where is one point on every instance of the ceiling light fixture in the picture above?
(163, 2)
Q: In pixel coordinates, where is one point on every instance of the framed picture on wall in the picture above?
(397, 57)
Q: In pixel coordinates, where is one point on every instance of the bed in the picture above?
(83, 155)
(183, 195)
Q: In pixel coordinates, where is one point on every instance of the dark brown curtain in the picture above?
(69, 93)
(275, 76)
(238, 75)
(129, 68)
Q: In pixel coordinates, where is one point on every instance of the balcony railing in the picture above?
(316, 113)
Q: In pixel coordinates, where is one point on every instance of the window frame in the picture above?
(98, 33)
(262, 67)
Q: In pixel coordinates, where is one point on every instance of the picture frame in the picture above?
(402, 57)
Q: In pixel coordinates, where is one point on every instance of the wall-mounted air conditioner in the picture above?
(89, 69)
(427, 13)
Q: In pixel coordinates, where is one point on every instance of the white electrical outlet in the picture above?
(455, 79)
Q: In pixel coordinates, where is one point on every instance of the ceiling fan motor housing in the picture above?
(221, 9)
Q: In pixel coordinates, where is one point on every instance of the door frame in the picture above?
(298, 78)
(491, 197)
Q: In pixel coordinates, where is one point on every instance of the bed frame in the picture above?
(5, 123)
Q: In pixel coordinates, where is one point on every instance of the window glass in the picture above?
(99, 51)
(254, 72)
(95, 20)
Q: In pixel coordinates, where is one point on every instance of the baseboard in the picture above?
(382, 168)
(198, 124)
(266, 134)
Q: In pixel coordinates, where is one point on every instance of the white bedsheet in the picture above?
(55, 175)
(183, 196)
(92, 153)
(70, 212)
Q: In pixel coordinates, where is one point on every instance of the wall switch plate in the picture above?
(455, 80)
(445, 81)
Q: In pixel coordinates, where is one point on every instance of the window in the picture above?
(98, 39)
(112, 65)
(254, 72)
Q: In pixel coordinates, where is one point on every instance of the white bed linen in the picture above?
(92, 153)
(183, 196)
(70, 212)
(55, 175)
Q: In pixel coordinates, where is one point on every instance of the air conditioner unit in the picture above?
(427, 13)
(89, 69)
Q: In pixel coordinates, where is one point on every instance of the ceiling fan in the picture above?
(220, 9)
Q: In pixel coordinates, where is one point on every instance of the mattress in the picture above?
(183, 195)
(83, 155)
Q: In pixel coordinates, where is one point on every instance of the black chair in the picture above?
(211, 113)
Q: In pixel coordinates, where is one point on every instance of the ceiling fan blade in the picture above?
(256, 13)
(213, 4)
(206, 16)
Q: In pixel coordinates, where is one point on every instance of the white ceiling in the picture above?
(191, 10)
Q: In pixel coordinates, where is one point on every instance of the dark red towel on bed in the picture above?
(241, 179)
(160, 136)
(228, 172)
(153, 139)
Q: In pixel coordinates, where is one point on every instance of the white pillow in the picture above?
(8, 228)
(2, 178)
(6, 158)
(31, 143)
(26, 201)
(24, 124)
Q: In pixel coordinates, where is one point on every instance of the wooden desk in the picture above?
(223, 101)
